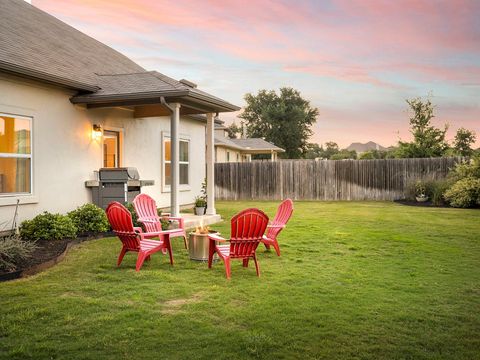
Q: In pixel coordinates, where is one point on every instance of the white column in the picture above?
(210, 166)
(175, 166)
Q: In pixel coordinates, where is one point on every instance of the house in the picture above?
(70, 105)
(369, 146)
(241, 150)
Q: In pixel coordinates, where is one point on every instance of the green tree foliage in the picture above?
(428, 140)
(331, 148)
(344, 154)
(284, 119)
(313, 151)
(373, 154)
(234, 131)
(464, 139)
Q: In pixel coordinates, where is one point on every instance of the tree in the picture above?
(373, 154)
(464, 139)
(344, 154)
(283, 119)
(313, 151)
(428, 141)
(331, 148)
(234, 130)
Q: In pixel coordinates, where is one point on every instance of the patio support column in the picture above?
(175, 167)
(210, 166)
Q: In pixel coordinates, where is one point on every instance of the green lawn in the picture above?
(367, 280)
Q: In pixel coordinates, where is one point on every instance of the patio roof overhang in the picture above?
(149, 104)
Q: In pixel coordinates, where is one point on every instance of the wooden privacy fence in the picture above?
(325, 179)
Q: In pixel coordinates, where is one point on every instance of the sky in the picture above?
(357, 61)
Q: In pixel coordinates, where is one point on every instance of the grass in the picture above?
(365, 280)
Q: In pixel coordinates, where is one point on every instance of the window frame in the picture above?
(182, 187)
(21, 156)
(121, 134)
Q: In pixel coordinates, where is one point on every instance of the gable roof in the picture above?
(256, 144)
(38, 45)
(226, 142)
(247, 145)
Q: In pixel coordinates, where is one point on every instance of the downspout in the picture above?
(174, 167)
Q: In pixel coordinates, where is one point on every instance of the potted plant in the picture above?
(420, 191)
(200, 205)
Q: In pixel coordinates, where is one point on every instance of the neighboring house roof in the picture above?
(226, 142)
(38, 45)
(247, 145)
(359, 147)
(257, 144)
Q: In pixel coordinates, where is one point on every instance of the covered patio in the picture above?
(151, 94)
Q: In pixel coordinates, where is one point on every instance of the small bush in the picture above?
(47, 226)
(89, 218)
(466, 169)
(464, 193)
(436, 191)
(13, 251)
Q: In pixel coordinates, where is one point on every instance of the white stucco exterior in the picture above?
(64, 154)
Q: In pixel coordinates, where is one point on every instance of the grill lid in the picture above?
(125, 173)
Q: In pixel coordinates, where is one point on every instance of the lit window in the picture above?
(111, 149)
(15, 154)
(183, 161)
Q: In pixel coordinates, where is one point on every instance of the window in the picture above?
(111, 149)
(15, 154)
(183, 161)
(228, 156)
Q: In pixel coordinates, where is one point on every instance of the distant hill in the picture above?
(360, 148)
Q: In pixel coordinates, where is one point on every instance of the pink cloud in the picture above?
(385, 44)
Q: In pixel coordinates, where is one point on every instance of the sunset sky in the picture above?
(356, 60)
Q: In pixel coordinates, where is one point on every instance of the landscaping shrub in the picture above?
(47, 226)
(466, 169)
(13, 251)
(436, 191)
(464, 193)
(89, 218)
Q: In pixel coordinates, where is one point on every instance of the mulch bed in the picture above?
(47, 254)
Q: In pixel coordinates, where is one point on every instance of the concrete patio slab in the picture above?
(192, 221)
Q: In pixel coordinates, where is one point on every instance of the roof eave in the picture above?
(175, 95)
(45, 77)
(214, 102)
(264, 150)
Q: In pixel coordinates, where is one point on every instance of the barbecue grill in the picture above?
(116, 184)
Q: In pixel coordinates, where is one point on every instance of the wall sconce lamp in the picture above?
(96, 132)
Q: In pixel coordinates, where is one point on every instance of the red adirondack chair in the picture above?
(247, 228)
(133, 238)
(146, 209)
(284, 213)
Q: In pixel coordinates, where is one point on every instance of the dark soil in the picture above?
(50, 249)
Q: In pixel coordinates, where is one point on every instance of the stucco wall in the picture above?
(221, 155)
(64, 155)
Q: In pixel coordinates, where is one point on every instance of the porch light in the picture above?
(96, 132)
